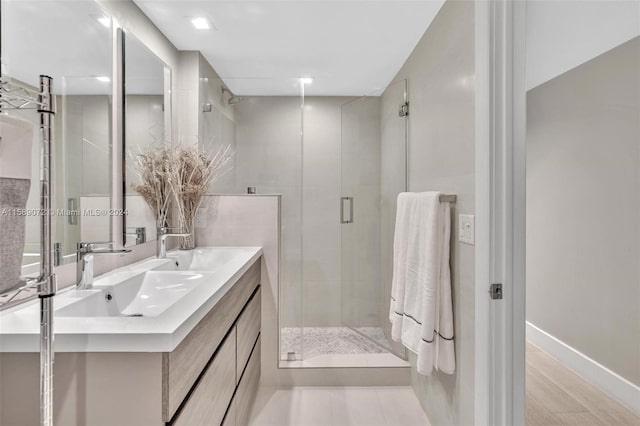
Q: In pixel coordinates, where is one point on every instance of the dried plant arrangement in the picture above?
(190, 176)
(153, 166)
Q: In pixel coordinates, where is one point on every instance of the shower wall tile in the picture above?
(320, 307)
(268, 157)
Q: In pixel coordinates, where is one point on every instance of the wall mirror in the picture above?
(147, 125)
(78, 55)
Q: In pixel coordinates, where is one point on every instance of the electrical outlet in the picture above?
(467, 229)
(201, 218)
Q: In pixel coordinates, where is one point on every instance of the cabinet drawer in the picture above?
(182, 367)
(248, 329)
(248, 388)
(210, 399)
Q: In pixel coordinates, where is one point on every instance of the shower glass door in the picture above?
(373, 168)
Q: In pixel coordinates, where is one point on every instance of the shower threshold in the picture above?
(337, 347)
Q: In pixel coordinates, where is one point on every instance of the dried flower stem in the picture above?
(152, 167)
(190, 175)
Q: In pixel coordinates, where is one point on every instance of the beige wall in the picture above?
(583, 197)
(440, 74)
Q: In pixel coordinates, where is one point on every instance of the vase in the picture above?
(186, 227)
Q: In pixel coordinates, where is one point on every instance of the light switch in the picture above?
(467, 229)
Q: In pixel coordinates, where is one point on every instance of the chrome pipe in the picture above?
(46, 360)
(47, 284)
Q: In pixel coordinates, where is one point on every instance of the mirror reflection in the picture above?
(78, 55)
(147, 126)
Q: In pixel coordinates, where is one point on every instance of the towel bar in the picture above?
(448, 198)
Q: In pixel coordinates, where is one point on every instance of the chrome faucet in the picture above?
(161, 242)
(84, 260)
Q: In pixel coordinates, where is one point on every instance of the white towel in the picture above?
(16, 137)
(421, 311)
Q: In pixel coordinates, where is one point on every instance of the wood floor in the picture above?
(557, 396)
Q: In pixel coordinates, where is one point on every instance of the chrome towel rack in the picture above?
(448, 198)
(13, 96)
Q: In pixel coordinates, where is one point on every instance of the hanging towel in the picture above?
(16, 137)
(421, 312)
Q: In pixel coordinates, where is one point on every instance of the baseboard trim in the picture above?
(614, 385)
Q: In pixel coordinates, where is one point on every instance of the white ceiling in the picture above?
(562, 34)
(57, 38)
(348, 47)
(63, 39)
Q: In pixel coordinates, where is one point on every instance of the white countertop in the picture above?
(19, 326)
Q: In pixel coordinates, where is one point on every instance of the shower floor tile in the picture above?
(337, 347)
(324, 341)
(375, 334)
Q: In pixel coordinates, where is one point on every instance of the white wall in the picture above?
(562, 34)
(583, 197)
(440, 74)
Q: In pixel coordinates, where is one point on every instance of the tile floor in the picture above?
(558, 397)
(349, 406)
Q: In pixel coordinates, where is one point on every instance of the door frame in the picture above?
(500, 208)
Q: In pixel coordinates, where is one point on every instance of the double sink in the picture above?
(152, 292)
(148, 306)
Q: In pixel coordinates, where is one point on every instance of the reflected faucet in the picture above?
(161, 242)
(84, 260)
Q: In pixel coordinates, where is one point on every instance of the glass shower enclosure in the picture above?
(349, 188)
(338, 164)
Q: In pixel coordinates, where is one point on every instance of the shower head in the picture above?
(233, 99)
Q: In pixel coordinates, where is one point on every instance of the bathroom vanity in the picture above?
(165, 341)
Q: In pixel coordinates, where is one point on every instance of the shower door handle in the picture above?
(342, 217)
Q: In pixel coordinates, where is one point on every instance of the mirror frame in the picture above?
(119, 190)
(117, 131)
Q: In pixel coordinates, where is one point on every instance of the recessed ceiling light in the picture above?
(201, 23)
(306, 80)
(103, 20)
(103, 78)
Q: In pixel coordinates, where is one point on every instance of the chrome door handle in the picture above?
(342, 200)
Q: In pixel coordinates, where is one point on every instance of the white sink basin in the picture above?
(208, 259)
(144, 295)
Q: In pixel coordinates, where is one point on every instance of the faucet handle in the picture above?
(166, 229)
(89, 245)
